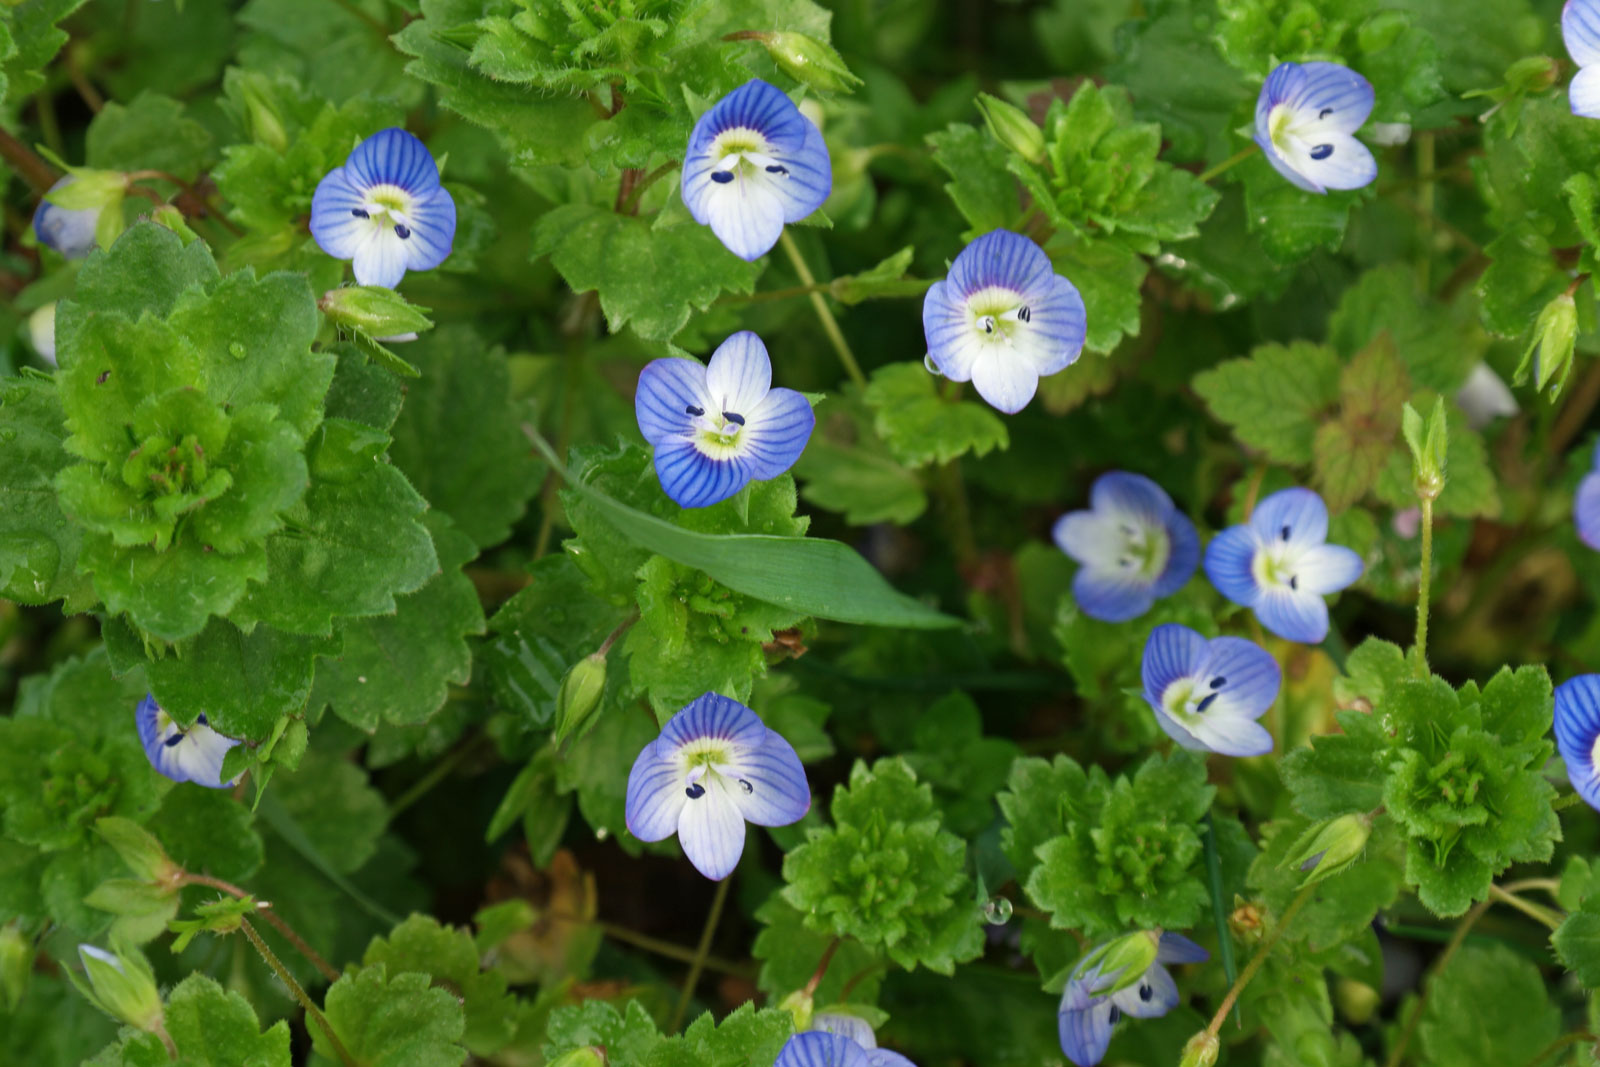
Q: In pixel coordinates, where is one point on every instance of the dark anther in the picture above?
(103, 376)
(1206, 703)
(1125, 561)
(777, 169)
(1321, 151)
(1116, 1015)
(737, 420)
(174, 739)
(1284, 533)
(988, 326)
(401, 230)
(696, 791)
(1218, 682)
(1294, 582)
(202, 719)
(1325, 112)
(722, 177)
(1145, 993)
(692, 410)
(1127, 530)
(359, 213)
(1024, 314)
(746, 786)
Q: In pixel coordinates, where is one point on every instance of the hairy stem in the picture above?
(822, 966)
(700, 953)
(630, 204)
(1231, 162)
(1259, 958)
(299, 994)
(27, 163)
(276, 921)
(830, 325)
(1423, 584)
(1528, 908)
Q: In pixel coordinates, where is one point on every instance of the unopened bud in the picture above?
(1533, 74)
(16, 963)
(120, 984)
(808, 60)
(261, 116)
(138, 848)
(374, 310)
(1328, 847)
(1430, 447)
(1012, 127)
(800, 1005)
(1245, 921)
(88, 190)
(589, 1056)
(1548, 356)
(579, 695)
(1201, 1050)
(1357, 1000)
(42, 332)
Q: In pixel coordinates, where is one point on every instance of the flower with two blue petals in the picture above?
(1306, 119)
(1207, 695)
(68, 231)
(1100, 993)
(1586, 505)
(754, 163)
(192, 754)
(718, 427)
(1003, 319)
(385, 210)
(1133, 546)
(820, 1048)
(1577, 723)
(1580, 30)
(1279, 565)
(715, 767)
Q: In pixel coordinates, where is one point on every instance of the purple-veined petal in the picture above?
(1243, 675)
(1577, 726)
(380, 259)
(853, 1027)
(1004, 378)
(1005, 260)
(68, 231)
(1173, 651)
(769, 784)
(1111, 595)
(693, 479)
(711, 829)
(1583, 93)
(1295, 517)
(1053, 337)
(1334, 161)
(808, 180)
(1293, 615)
(953, 344)
(713, 716)
(1175, 948)
(1229, 735)
(1183, 555)
(655, 793)
(433, 230)
(393, 157)
(776, 433)
(192, 755)
(1229, 563)
(1586, 510)
(1131, 497)
(1328, 569)
(1085, 1035)
(338, 229)
(667, 389)
(1283, 167)
(818, 1048)
(1329, 94)
(1580, 31)
(746, 217)
(739, 374)
(759, 106)
(1152, 996)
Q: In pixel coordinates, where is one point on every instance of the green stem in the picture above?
(822, 966)
(1528, 908)
(700, 954)
(1259, 958)
(298, 993)
(277, 921)
(1219, 911)
(1561, 803)
(1560, 1043)
(1232, 161)
(830, 325)
(49, 127)
(438, 773)
(1423, 584)
(630, 203)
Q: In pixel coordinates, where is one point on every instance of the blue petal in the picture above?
(1183, 555)
(1003, 259)
(67, 231)
(1173, 651)
(1577, 724)
(1580, 30)
(1586, 509)
(778, 792)
(1294, 616)
(1251, 677)
(711, 829)
(338, 230)
(192, 755)
(853, 1027)
(776, 433)
(1057, 326)
(1337, 96)
(1283, 167)
(817, 1048)
(1294, 516)
(1229, 563)
(1346, 164)
(1131, 496)
(433, 230)
(1175, 948)
(713, 716)
(1111, 595)
(695, 480)
(809, 181)
(656, 795)
(739, 374)
(1328, 569)
(953, 344)
(1151, 997)
(393, 157)
(1583, 93)
(1085, 1035)
(667, 389)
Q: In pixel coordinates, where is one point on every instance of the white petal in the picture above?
(381, 258)
(746, 216)
(739, 374)
(711, 831)
(1006, 379)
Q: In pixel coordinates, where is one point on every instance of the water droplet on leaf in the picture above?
(236, 350)
(997, 911)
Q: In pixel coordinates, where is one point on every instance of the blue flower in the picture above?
(1586, 505)
(718, 428)
(67, 231)
(1578, 733)
(1278, 565)
(1134, 547)
(192, 755)
(1580, 29)
(1099, 994)
(385, 210)
(754, 163)
(714, 767)
(822, 1048)
(1306, 118)
(1207, 695)
(1003, 319)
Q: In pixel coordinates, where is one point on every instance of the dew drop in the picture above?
(235, 349)
(997, 911)
(930, 366)
(601, 834)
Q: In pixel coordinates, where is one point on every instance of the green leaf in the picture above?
(459, 438)
(1488, 1005)
(920, 426)
(401, 1021)
(1470, 488)
(34, 41)
(789, 950)
(1289, 222)
(1338, 773)
(38, 546)
(809, 576)
(627, 1036)
(965, 768)
(1438, 344)
(744, 1036)
(151, 133)
(1110, 277)
(1275, 398)
(1343, 905)
(1350, 451)
(650, 278)
(207, 830)
(421, 944)
(213, 1027)
(983, 191)
(854, 472)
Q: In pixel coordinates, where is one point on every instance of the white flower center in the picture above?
(741, 152)
(1143, 550)
(707, 762)
(716, 433)
(1293, 131)
(998, 314)
(388, 207)
(1189, 699)
(1276, 565)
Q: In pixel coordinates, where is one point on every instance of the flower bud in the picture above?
(1356, 1000)
(1328, 847)
(1201, 1050)
(579, 695)
(1245, 921)
(801, 1006)
(89, 190)
(808, 60)
(1533, 74)
(16, 963)
(1012, 127)
(374, 310)
(138, 848)
(1430, 445)
(589, 1056)
(120, 984)
(261, 116)
(42, 332)
(1549, 353)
